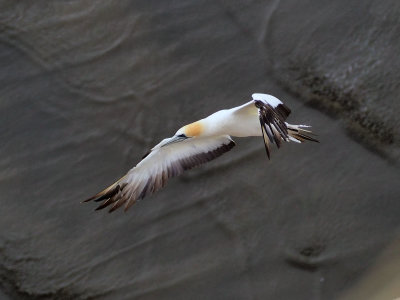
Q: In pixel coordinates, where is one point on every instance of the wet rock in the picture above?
(86, 89)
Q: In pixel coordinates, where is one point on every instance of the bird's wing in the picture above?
(272, 114)
(162, 163)
(268, 100)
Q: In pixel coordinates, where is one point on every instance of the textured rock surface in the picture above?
(346, 65)
(87, 88)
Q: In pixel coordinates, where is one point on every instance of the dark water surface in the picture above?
(87, 87)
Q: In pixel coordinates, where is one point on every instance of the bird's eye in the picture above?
(182, 136)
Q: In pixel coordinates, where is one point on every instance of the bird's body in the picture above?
(200, 142)
(231, 122)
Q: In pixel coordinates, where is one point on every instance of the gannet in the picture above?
(201, 142)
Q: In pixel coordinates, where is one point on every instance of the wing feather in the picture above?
(152, 173)
(272, 121)
(272, 114)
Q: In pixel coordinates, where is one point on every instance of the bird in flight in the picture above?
(201, 142)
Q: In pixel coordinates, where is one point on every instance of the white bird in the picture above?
(200, 142)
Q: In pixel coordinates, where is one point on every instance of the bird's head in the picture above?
(192, 130)
(195, 129)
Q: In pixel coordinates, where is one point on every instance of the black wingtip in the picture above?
(116, 205)
(104, 204)
(283, 110)
(89, 199)
(104, 194)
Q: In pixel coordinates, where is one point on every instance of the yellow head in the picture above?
(192, 130)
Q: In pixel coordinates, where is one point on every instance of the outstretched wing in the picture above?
(162, 163)
(272, 114)
(249, 108)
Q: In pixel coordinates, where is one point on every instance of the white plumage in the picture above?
(200, 142)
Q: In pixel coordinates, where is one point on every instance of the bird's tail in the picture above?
(298, 134)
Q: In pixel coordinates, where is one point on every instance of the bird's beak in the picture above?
(172, 140)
